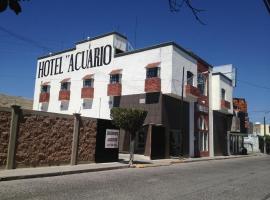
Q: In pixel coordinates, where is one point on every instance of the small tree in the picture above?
(130, 120)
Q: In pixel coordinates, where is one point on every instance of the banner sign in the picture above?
(111, 139)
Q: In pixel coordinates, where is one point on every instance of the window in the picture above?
(202, 124)
(115, 78)
(203, 134)
(65, 86)
(189, 78)
(45, 88)
(223, 94)
(152, 72)
(88, 83)
(202, 84)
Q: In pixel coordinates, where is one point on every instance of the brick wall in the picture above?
(5, 118)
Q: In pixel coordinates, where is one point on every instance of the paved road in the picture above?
(244, 178)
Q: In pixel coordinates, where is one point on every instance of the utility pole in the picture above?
(181, 115)
(264, 139)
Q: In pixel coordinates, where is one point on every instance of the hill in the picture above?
(7, 101)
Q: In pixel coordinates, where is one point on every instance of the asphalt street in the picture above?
(242, 178)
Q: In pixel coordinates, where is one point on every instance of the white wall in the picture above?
(180, 60)
(218, 83)
(133, 77)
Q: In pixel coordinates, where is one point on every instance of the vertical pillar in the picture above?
(14, 126)
(191, 129)
(148, 144)
(211, 127)
(75, 140)
(228, 143)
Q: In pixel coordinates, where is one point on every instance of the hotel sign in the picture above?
(111, 139)
(79, 60)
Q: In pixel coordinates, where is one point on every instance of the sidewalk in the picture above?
(140, 162)
(143, 162)
(25, 173)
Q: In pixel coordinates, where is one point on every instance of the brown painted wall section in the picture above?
(5, 118)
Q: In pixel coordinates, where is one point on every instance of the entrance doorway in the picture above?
(175, 143)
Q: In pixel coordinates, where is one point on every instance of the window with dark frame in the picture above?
(152, 72)
(44, 88)
(189, 78)
(223, 94)
(202, 84)
(65, 86)
(115, 78)
(88, 83)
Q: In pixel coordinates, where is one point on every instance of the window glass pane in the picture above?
(201, 141)
(88, 83)
(65, 86)
(44, 88)
(189, 78)
(115, 78)
(201, 84)
(152, 72)
(205, 142)
(223, 94)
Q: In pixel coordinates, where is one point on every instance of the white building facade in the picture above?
(99, 73)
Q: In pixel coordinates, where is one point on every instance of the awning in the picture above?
(153, 65)
(88, 76)
(116, 71)
(65, 80)
(45, 83)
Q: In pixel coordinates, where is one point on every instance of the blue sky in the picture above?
(237, 32)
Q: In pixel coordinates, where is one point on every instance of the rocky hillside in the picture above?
(7, 101)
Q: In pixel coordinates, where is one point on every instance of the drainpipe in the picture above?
(211, 134)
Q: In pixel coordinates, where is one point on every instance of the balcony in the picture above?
(225, 104)
(114, 89)
(87, 93)
(192, 91)
(64, 95)
(152, 85)
(203, 100)
(44, 97)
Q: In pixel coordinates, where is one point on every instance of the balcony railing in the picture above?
(64, 95)
(114, 89)
(152, 85)
(225, 104)
(44, 97)
(192, 91)
(203, 100)
(87, 93)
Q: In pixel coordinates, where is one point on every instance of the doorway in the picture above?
(175, 143)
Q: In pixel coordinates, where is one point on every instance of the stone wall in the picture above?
(87, 140)
(44, 140)
(5, 118)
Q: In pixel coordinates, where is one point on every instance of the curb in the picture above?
(61, 173)
(191, 161)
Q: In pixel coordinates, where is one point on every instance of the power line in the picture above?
(27, 40)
